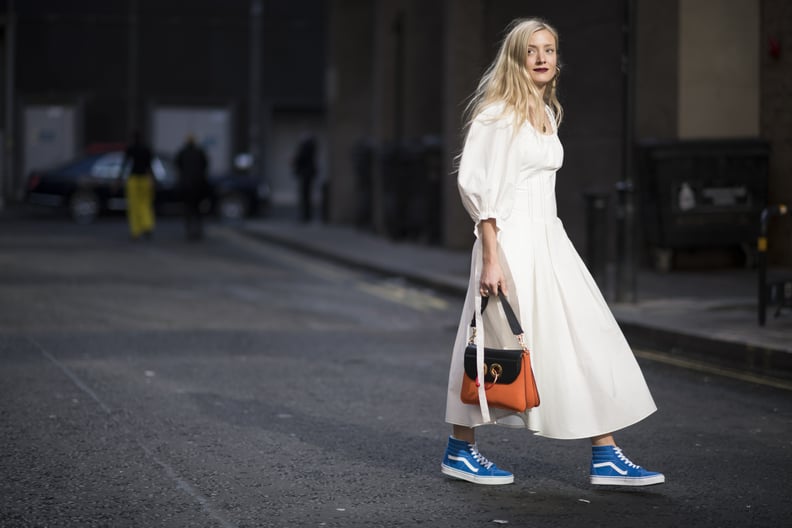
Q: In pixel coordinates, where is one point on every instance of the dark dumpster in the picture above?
(701, 194)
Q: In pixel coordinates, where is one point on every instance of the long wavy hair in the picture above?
(508, 79)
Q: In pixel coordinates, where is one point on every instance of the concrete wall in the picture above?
(591, 90)
(705, 70)
(718, 68)
(657, 74)
(118, 61)
(776, 116)
(349, 100)
(465, 60)
(698, 74)
(408, 84)
(414, 64)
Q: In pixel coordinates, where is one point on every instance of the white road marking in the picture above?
(288, 257)
(416, 299)
(710, 369)
(404, 295)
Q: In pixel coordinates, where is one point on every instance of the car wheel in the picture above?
(232, 206)
(84, 207)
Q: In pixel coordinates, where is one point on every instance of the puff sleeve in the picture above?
(488, 167)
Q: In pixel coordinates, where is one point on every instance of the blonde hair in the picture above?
(508, 81)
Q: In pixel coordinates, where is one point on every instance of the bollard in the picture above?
(779, 288)
(625, 242)
(597, 213)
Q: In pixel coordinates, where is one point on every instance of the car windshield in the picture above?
(107, 167)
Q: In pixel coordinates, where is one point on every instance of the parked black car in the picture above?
(89, 186)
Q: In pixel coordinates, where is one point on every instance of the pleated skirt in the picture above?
(589, 381)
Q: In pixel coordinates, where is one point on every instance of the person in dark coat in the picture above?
(304, 166)
(194, 186)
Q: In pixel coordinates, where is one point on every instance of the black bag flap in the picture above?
(510, 362)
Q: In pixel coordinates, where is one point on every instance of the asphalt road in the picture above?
(235, 384)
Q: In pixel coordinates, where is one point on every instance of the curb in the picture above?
(440, 283)
(744, 357)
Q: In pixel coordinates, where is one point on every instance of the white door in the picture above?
(49, 137)
(210, 126)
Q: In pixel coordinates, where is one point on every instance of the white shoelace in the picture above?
(623, 458)
(479, 457)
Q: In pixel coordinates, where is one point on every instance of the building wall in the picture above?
(776, 116)
(423, 60)
(410, 99)
(465, 60)
(350, 106)
(118, 61)
(705, 69)
(591, 90)
(423, 69)
(657, 74)
(192, 56)
(718, 68)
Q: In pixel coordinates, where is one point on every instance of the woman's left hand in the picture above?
(493, 280)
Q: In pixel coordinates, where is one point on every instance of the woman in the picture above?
(589, 382)
(139, 190)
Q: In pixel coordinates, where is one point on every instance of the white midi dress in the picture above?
(589, 381)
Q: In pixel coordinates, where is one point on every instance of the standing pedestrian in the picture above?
(304, 166)
(589, 381)
(194, 186)
(139, 188)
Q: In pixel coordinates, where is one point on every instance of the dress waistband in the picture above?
(536, 203)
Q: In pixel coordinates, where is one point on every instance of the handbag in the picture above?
(509, 380)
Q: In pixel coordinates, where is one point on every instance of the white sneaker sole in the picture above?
(463, 475)
(628, 481)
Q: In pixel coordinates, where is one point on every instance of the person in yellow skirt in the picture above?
(139, 188)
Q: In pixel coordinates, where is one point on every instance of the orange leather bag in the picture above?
(509, 380)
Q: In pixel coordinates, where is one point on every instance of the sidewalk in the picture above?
(708, 316)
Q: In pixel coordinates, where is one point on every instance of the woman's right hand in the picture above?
(492, 279)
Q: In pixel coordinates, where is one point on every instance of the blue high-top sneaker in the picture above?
(463, 461)
(610, 467)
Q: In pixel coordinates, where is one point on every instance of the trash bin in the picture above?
(701, 194)
(411, 187)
